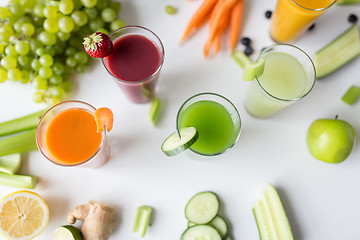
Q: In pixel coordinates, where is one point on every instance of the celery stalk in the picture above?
(142, 219)
(154, 110)
(10, 164)
(18, 181)
(22, 123)
(347, 2)
(19, 142)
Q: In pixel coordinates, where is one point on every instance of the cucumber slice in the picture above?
(202, 208)
(251, 71)
(351, 95)
(220, 225)
(201, 232)
(337, 53)
(67, 232)
(10, 164)
(142, 219)
(175, 144)
(241, 58)
(270, 216)
(154, 110)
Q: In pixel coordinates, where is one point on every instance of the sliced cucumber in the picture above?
(142, 219)
(270, 216)
(202, 208)
(175, 144)
(351, 95)
(67, 232)
(241, 58)
(337, 53)
(10, 164)
(201, 232)
(154, 110)
(251, 71)
(220, 225)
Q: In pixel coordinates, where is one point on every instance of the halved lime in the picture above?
(67, 232)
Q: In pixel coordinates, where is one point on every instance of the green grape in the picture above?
(80, 69)
(50, 11)
(89, 3)
(59, 49)
(52, 101)
(35, 44)
(17, 26)
(28, 4)
(170, 10)
(102, 4)
(55, 80)
(92, 13)
(108, 14)
(116, 24)
(39, 9)
(66, 85)
(70, 51)
(81, 57)
(50, 50)
(38, 97)
(25, 19)
(14, 74)
(24, 60)
(58, 68)
(3, 75)
(77, 4)
(51, 25)
(5, 33)
(76, 42)
(2, 48)
(46, 60)
(22, 47)
(103, 30)
(63, 36)
(46, 38)
(40, 51)
(25, 76)
(11, 51)
(66, 6)
(71, 61)
(54, 3)
(4, 36)
(16, 9)
(116, 6)
(56, 91)
(35, 64)
(80, 18)
(96, 24)
(40, 83)
(45, 72)
(4, 13)
(66, 24)
(27, 29)
(8, 62)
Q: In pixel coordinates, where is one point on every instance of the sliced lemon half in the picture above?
(23, 215)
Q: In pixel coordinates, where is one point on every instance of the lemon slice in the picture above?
(23, 215)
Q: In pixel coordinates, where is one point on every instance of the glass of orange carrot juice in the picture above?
(293, 17)
(67, 135)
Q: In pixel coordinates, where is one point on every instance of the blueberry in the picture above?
(352, 18)
(268, 14)
(248, 51)
(246, 41)
(311, 27)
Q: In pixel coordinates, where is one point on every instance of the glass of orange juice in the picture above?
(293, 17)
(67, 135)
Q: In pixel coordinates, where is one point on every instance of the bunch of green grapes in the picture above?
(41, 41)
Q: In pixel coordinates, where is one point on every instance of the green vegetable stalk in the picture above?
(19, 181)
(19, 142)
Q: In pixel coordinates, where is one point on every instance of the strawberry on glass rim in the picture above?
(98, 45)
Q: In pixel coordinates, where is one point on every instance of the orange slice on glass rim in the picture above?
(104, 118)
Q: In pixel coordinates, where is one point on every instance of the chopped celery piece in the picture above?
(241, 58)
(154, 110)
(254, 70)
(10, 164)
(18, 181)
(21, 124)
(347, 2)
(18, 142)
(351, 95)
(142, 219)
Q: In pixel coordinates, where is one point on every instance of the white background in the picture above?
(321, 199)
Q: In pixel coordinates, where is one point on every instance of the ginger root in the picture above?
(98, 220)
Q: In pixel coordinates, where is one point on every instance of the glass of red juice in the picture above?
(136, 60)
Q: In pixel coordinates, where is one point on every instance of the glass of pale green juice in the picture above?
(215, 118)
(289, 75)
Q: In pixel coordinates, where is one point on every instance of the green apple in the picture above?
(330, 140)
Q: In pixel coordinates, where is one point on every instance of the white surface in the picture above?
(321, 200)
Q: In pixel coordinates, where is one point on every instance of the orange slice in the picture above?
(23, 215)
(104, 118)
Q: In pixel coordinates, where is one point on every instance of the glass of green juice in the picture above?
(215, 118)
(289, 75)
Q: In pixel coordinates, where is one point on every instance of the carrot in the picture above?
(197, 18)
(235, 23)
(104, 118)
(222, 28)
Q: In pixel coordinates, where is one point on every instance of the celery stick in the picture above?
(142, 219)
(352, 95)
(241, 58)
(18, 181)
(18, 142)
(154, 110)
(10, 164)
(20, 124)
(347, 2)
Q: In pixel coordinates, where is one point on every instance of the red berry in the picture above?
(98, 45)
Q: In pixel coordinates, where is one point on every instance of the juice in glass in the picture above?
(293, 17)
(215, 118)
(135, 62)
(289, 75)
(67, 135)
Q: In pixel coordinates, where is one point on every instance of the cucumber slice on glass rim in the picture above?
(175, 144)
